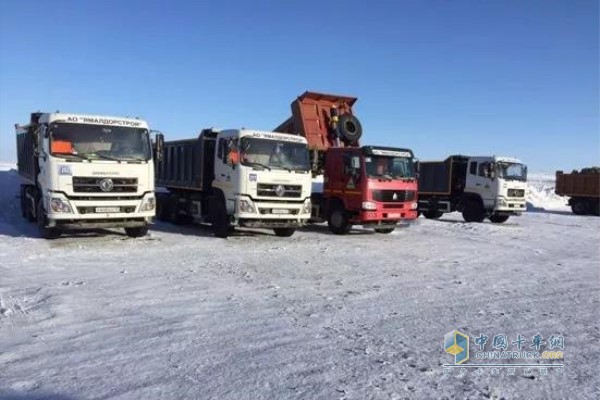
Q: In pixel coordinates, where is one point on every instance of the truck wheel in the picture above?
(432, 214)
(498, 219)
(473, 212)
(138, 231)
(578, 207)
(161, 209)
(23, 202)
(384, 230)
(28, 208)
(284, 232)
(172, 211)
(338, 221)
(45, 232)
(219, 218)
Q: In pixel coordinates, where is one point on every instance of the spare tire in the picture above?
(349, 128)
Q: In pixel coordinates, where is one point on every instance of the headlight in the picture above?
(414, 206)
(369, 205)
(502, 203)
(59, 206)
(148, 204)
(245, 206)
(307, 208)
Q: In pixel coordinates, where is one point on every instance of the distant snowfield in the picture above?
(180, 314)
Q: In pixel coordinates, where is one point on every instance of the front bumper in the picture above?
(509, 206)
(271, 214)
(387, 214)
(98, 213)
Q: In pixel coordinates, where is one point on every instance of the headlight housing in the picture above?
(307, 207)
(58, 205)
(369, 205)
(148, 204)
(246, 206)
(414, 206)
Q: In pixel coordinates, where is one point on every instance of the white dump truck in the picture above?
(236, 177)
(86, 172)
(479, 187)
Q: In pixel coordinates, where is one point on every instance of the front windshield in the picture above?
(92, 142)
(512, 171)
(389, 167)
(266, 153)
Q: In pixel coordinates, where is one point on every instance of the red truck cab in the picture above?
(370, 186)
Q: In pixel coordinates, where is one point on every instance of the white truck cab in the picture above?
(85, 172)
(500, 182)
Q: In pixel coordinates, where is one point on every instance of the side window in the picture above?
(351, 165)
(483, 168)
(473, 168)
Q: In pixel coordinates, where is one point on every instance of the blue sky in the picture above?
(516, 78)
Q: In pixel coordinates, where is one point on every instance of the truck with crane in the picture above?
(479, 187)
(373, 186)
(236, 178)
(86, 172)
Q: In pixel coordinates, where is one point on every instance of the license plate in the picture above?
(394, 215)
(108, 209)
(280, 211)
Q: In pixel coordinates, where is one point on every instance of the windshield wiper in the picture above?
(259, 164)
(81, 157)
(282, 167)
(107, 157)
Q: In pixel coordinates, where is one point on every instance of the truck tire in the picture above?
(473, 211)
(45, 232)
(161, 208)
(384, 230)
(433, 214)
(284, 232)
(219, 218)
(578, 207)
(338, 221)
(29, 207)
(349, 128)
(498, 219)
(136, 232)
(172, 211)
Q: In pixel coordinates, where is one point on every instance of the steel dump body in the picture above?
(311, 118)
(578, 184)
(188, 164)
(442, 177)
(582, 188)
(26, 157)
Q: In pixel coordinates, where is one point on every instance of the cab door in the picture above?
(225, 178)
(479, 180)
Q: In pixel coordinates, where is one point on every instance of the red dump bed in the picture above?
(578, 184)
(311, 118)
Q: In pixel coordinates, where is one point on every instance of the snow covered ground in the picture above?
(180, 314)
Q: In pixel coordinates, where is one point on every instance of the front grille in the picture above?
(516, 193)
(393, 196)
(270, 190)
(93, 185)
(106, 198)
(393, 206)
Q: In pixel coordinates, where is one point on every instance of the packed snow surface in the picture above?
(180, 314)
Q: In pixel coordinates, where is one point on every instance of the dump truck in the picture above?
(86, 172)
(236, 178)
(373, 186)
(478, 187)
(582, 188)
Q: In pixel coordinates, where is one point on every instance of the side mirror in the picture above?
(417, 165)
(159, 145)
